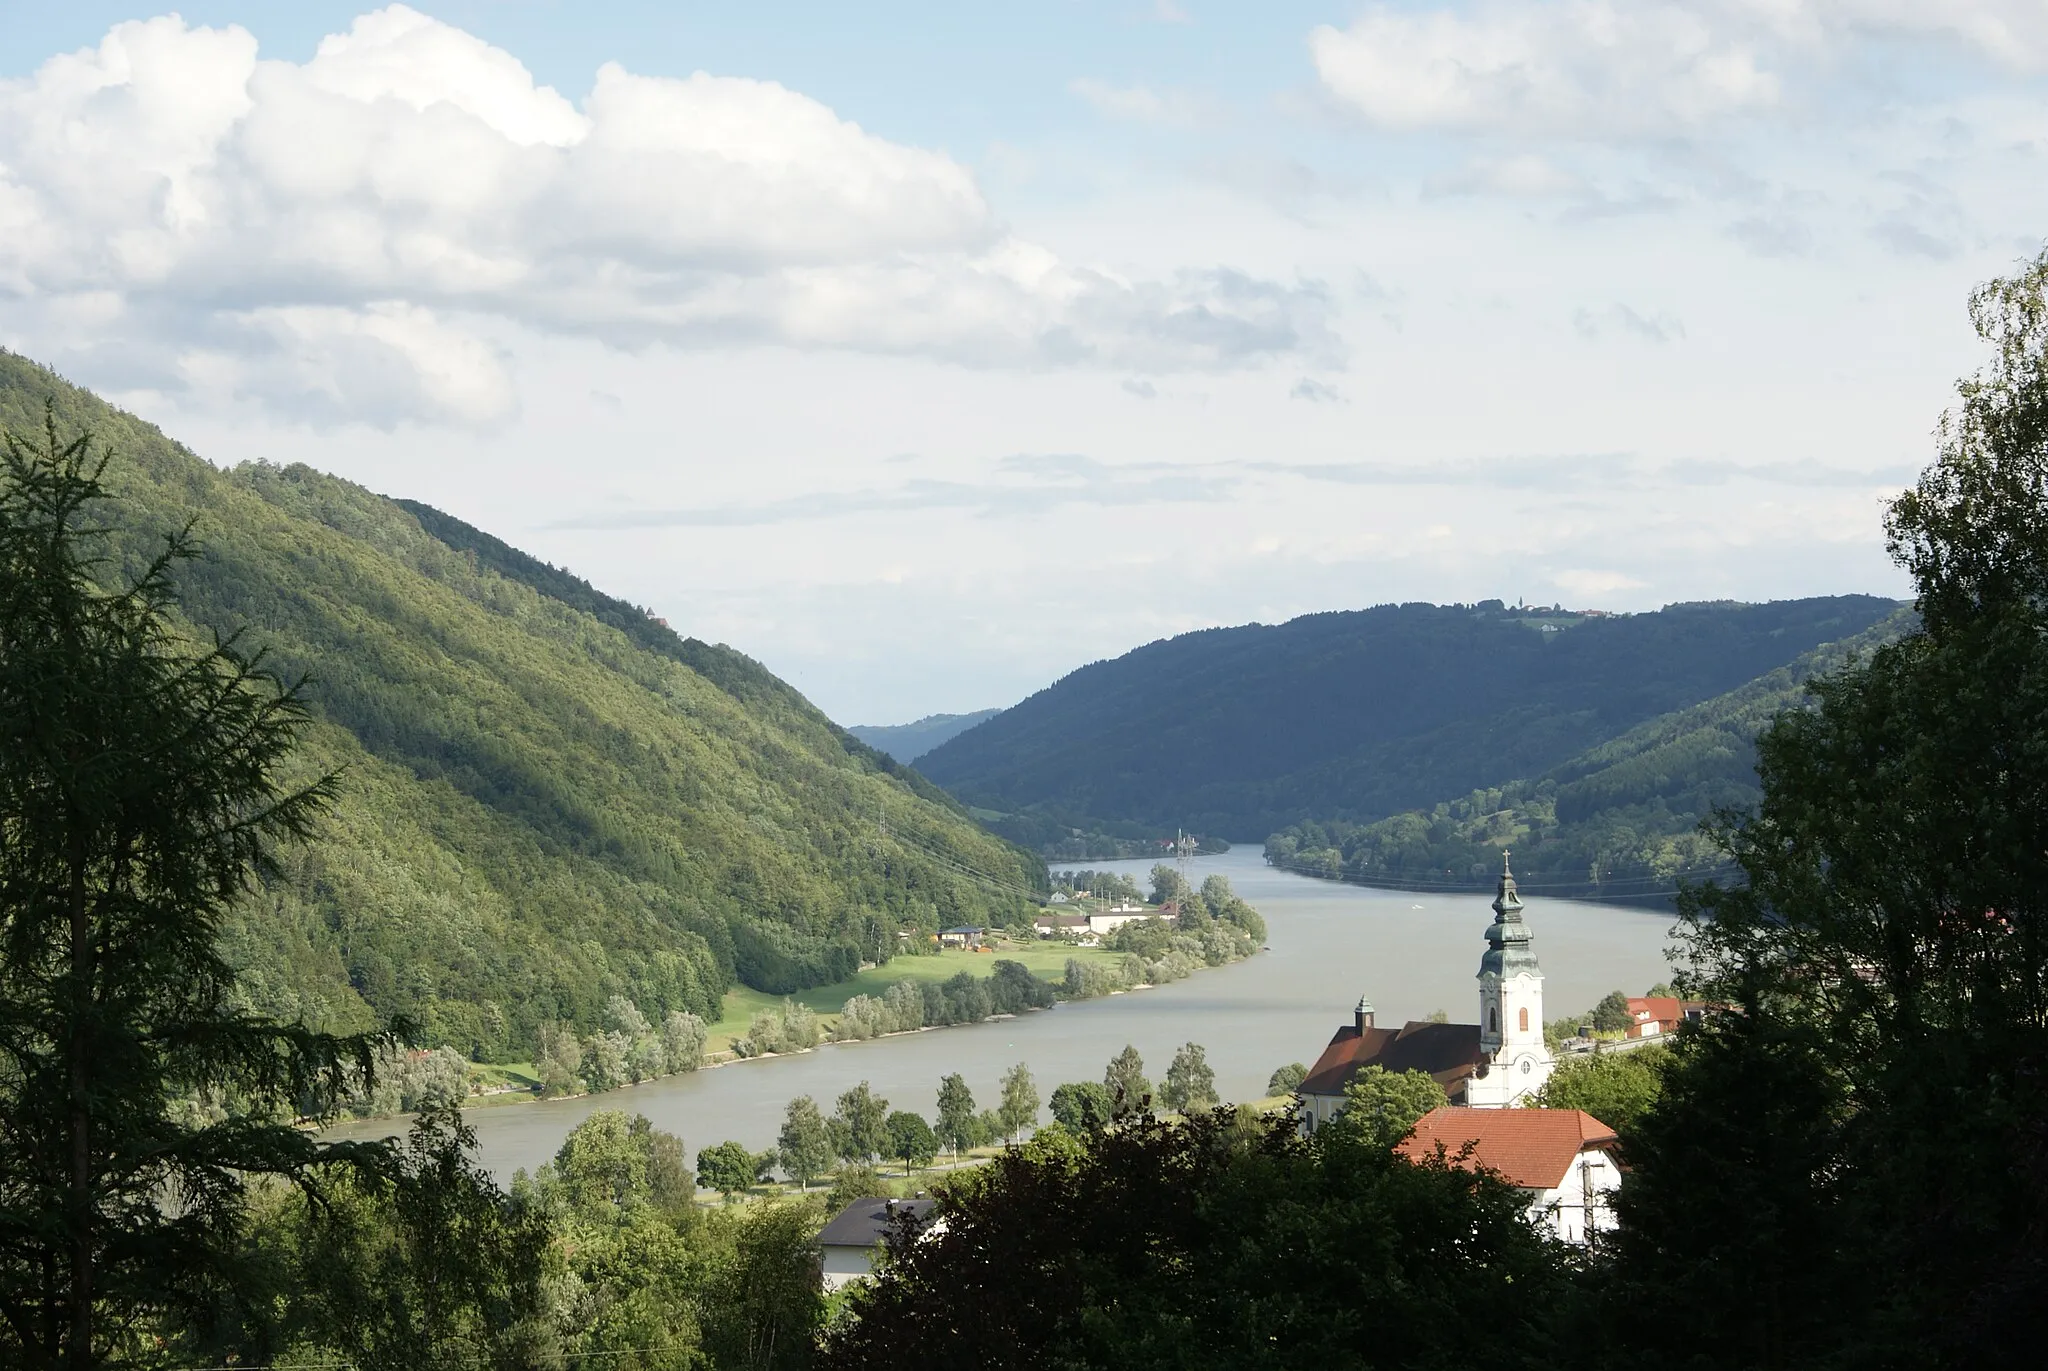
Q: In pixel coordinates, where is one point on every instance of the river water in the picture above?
(1330, 943)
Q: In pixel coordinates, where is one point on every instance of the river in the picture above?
(1412, 953)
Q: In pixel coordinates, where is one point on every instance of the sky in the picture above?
(929, 352)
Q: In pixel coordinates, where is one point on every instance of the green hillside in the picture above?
(547, 799)
(1355, 716)
(1620, 820)
(908, 742)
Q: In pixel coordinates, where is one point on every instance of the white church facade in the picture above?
(1497, 1063)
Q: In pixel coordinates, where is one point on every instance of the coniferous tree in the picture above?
(143, 781)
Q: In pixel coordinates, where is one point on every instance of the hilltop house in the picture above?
(1497, 1062)
(1562, 1159)
(851, 1242)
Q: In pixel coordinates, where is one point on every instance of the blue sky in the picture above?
(927, 352)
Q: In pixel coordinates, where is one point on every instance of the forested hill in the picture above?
(546, 799)
(1360, 715)
(1618, 821)
(908, 742)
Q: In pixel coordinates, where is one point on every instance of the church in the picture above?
(1493, 1064)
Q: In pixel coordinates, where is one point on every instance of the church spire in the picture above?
(1507, 905)
(1507, 937)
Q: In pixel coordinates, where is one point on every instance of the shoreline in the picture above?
(497, 1099)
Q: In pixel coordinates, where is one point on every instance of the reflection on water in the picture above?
(1329, 944)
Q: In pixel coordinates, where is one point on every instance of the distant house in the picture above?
(1562, 1159)
(1117, 915)
(1058, 897)
(967, 935)
(848, 1247)
(1051, 925)
(1652, 1016)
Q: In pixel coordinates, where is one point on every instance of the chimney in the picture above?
(1364, 1013)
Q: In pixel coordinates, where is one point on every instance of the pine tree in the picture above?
(143, 781)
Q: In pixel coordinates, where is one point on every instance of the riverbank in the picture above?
(1329, 943)
(499, 1085)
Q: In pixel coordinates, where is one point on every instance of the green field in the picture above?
(1046, 960)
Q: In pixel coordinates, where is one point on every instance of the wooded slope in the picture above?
(1620, 820)
(1363, 714)
(547, 798)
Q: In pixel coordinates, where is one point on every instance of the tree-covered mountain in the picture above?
(907, 742)
(546, 797)
(1620, 820)
(1363, 714)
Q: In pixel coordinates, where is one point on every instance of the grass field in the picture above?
(1046, 960)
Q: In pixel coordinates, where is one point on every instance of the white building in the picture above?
(1562, 1159)
(1117, 915)
(1497, 1062)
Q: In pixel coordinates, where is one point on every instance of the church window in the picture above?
(1525, 1020)
(1492, 1020)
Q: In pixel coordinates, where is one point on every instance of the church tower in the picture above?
(1510, 1008)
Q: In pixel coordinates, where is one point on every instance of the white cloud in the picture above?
(344, 238)
(1618, 70)
(1660, 328)
(1144, 105)
(1524, 176)
(1583, 67)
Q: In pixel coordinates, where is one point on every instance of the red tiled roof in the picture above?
(1662, 1008)
(1533, 1148)
(1446, 1051)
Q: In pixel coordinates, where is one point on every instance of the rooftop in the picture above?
(865, 1223)
(1532, 1148)
(1446, 1051)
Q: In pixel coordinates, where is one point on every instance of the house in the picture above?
(1051, 925)
(967, 935)
(1498, 1062)
(1117, 915)
(856, 1236)
(1653, 1016)
(1562, 1159)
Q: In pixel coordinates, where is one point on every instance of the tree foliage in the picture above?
(145, 782)
(1218, 1241)
(1019, 1108)
(1851, 1166)
(537, 805)
(1357, 716)
(1190, 1082)
(1380, 1106)
(1617, 1088)
(1130, 1094)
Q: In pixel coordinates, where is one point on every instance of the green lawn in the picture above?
(1047, 960)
